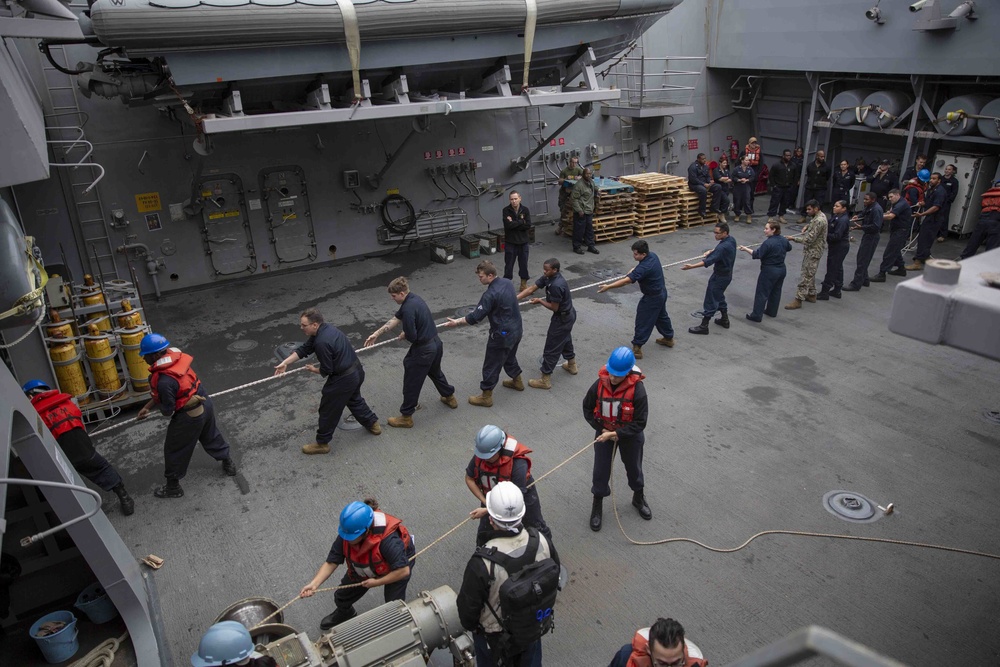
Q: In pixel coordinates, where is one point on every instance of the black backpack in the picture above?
(526, 598)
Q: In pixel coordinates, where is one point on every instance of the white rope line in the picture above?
(394, 339)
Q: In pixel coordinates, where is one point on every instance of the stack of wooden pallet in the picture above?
(614, 213)
(657, 203)
(689, 209)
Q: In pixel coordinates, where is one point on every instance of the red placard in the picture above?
(428, 155)
(729, 137)
(562, 142)
(461, 150)
(692, 144)
(715, 149)
(452, 152)
(439, 154)
(552, 143)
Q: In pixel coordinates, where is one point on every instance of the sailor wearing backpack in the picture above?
(509, 588)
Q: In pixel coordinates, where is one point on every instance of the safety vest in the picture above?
(753, 154)
(640, 652)
(365, 557)
(487, 474)
(991, 200)
(177, 365)
(615, 403)
(58, 411)
(913, 192)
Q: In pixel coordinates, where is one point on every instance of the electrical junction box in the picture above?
(352, 179)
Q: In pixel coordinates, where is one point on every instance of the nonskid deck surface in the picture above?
(749, 428)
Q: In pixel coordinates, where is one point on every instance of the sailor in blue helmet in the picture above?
(178, 392)
(228, 643)
(378, 550)
(617, 408)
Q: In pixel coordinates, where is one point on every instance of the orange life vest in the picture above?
(365, 558)
(991, 200)
(487, 474)
(640, 652)
(615, 403)
(914, 188)
(58, 411)
(753, 154)
(177, 365)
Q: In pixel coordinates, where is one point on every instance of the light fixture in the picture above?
(875, 14)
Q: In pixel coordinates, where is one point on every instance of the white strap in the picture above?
(352, 34)
(529, 37)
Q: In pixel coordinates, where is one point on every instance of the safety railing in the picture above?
(649, 81)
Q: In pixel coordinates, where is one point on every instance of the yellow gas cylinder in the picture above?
(130, 332)
(65, 357)
(91, 295)
(102, 362)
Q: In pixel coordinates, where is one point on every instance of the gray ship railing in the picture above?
(810, 642)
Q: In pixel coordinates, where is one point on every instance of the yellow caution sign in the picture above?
(148, 202)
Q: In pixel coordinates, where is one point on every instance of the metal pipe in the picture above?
(152, 266)
(55, 485)
(583, 110)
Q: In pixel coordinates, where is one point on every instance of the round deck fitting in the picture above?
(464, 310)
(282, 351)
(992, 416)
(242, 345)
(604, 274)
(851, 506)
(252, 303)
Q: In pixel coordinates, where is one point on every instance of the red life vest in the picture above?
(991, 200)
(58, 411)
(753, 154)
(365, 557)
(488, 475)
(914, 190)
(177, 365)
(640, 652)
(615, 403)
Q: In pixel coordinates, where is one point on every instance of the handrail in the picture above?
(809, 642)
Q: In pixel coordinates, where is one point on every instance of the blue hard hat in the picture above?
(224, 643)
(152, 343)
(924, 175)
(489, 440)
(621, 361)
(355, 520)
(31, 385)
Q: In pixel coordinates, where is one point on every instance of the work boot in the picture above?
(701, 328)
(637, 351)
(524, 285)
(570, 366)
(836, 294)
(544, 382)
(665, 342)
(337, 617)
(579, 251)
(516, 383)
(484, 400)
(878, 278)
(811, 298)
(596, 513)
(229, 467)
(639, 502)
(782, 220)
(593, 249)
(900, 271)
(722, 217)
(824, 295)
(124, 499)
(450, 401)
(851, 288)
(316, 448)
(795, 304)
(723, 320)
(749, 219)
(918, 265)
(374, 428)
(402, 421)
(172, 489)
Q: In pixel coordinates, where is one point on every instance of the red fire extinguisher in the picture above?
(734, 151)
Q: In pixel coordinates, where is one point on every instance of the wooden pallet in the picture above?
(653, 230)
(615, 218)
(612, 234)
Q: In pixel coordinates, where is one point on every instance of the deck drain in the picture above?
(464, 310)
(242, 345)
(851, 506)
(250, 303)
(604, 274)
(992, 416)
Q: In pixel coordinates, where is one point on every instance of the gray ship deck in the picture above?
(751, 427)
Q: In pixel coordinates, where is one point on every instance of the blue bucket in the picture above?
(94, 602)
(60, 646)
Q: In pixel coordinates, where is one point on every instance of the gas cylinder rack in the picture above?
(93, 334)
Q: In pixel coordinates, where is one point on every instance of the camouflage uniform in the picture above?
(814, 243)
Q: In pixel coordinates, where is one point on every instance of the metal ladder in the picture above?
(626, 142)
(73, 154)
(537, 174)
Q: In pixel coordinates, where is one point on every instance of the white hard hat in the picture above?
(505, 504)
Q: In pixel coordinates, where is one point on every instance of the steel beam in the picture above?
(444, 106)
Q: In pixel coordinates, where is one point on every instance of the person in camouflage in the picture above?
(813, 239)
